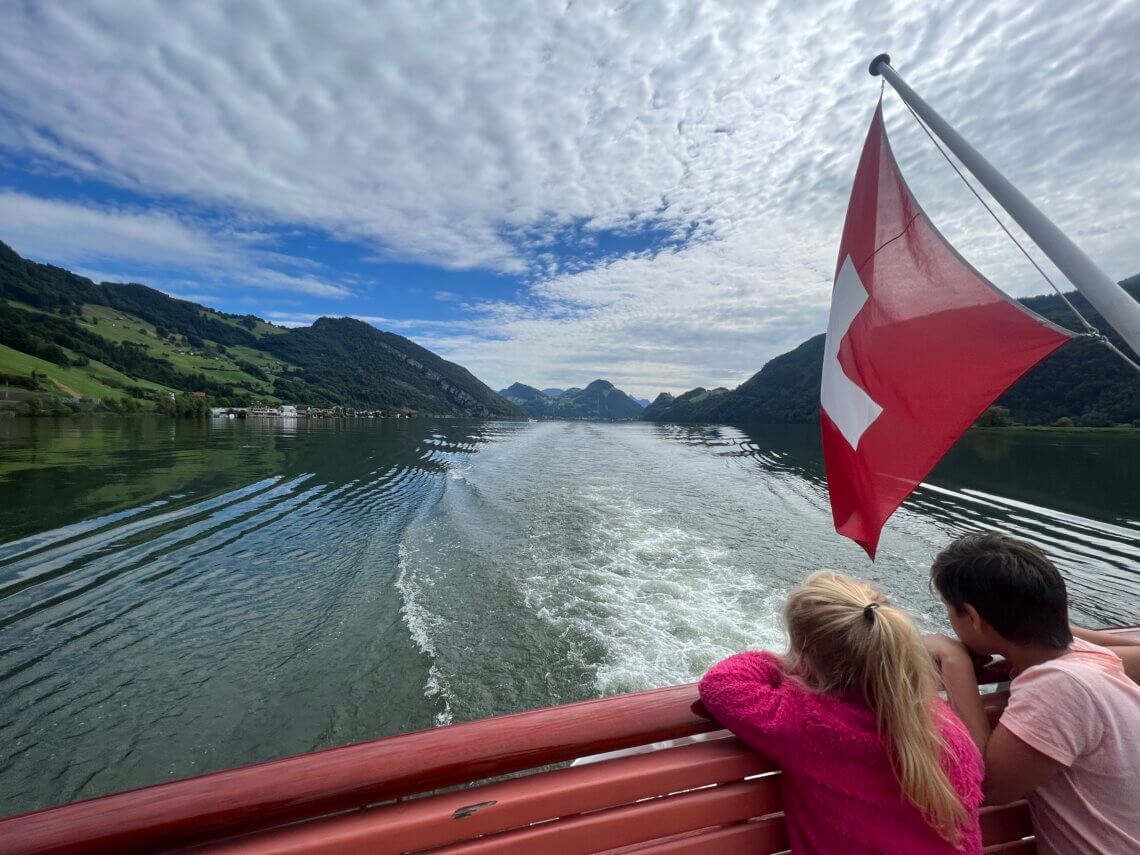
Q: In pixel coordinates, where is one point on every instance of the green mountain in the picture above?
(1083, 381)
(353, 363)
(64, 337)
(534, 402)
(599, 401)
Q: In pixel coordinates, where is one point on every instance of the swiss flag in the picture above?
(918, 346)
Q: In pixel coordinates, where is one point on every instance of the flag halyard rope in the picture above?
(1091, 331)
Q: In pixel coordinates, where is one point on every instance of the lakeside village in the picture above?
(300, 411)
(19, 401)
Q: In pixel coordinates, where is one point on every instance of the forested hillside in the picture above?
(1083, 381)
(353, 363)
(69, 343)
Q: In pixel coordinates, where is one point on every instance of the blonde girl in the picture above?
(872, 759)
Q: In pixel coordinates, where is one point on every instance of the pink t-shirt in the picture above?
(1082, 710)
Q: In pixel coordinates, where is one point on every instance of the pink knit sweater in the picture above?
(841, 794)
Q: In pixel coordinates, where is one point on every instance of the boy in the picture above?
(1069, 740)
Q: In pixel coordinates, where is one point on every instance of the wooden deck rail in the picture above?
(263, 795)
(219, 805)
(317, 795)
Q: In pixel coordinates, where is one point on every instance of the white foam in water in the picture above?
(422, 625)
(664, 602)
(645, 561)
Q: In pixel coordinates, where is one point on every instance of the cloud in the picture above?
(692, 316)
(481, 135)
(143, 242)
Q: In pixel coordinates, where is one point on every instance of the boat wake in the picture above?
(423, 627)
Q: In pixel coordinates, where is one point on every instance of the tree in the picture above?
(995, 416)
(184, 405)
(1095, 418)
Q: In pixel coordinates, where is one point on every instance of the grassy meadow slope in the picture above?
(65, 340)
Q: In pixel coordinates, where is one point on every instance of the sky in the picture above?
(549, 192)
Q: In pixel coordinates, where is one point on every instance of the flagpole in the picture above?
(1112, 301)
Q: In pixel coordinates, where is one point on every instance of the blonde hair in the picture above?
(846, 635)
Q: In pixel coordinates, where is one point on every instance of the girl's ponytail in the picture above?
(846, 635)
(899, 684)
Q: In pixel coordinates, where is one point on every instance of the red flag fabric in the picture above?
(919, 344)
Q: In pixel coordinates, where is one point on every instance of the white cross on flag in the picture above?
(918, 346)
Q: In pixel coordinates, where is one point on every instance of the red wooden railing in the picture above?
(213, 807)
(263, 795)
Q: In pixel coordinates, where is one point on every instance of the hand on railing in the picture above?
(958, 667)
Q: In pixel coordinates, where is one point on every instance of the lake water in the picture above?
(178, 597)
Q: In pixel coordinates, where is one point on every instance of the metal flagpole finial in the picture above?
(874, 66)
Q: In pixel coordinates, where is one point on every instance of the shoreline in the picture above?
(1122, 429)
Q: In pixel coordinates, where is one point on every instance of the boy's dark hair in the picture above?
(1012, 584)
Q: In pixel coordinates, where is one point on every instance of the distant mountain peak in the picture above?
(519, 392)
(600, 400)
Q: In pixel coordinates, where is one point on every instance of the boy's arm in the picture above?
(953, 660)
(1103, 637)
(1013, 768)
(1126, 648)
(1130, 658)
